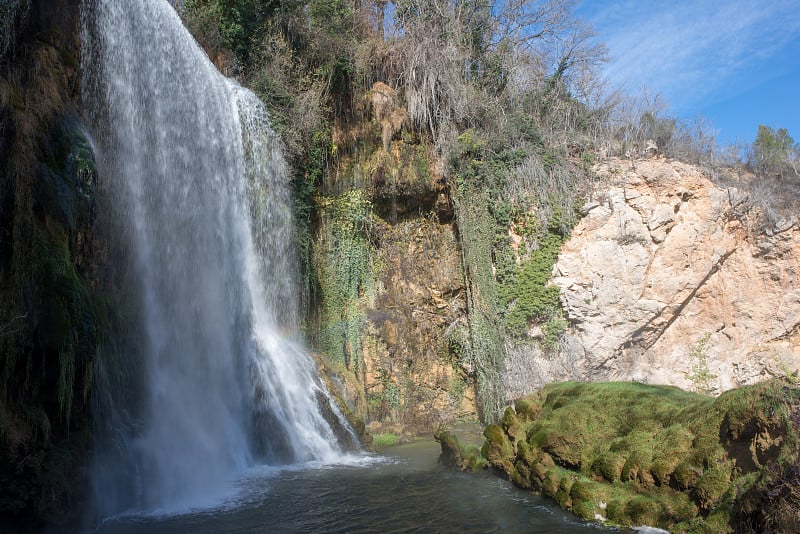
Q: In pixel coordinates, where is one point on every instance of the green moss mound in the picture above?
(635, 454)
(458, 456)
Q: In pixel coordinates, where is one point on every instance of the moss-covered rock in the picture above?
(633, 454)
(498, 450)
(53, 316)
(527, 409)
(457, 456)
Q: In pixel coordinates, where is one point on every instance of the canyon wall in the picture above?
(671, 279)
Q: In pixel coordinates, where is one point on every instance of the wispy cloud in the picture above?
(695, 52)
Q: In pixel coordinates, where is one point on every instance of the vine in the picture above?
(500, 192)
(346, 268)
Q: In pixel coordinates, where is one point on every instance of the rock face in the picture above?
(409, 378)
(668, 279)
(50, 254)
(389, 271)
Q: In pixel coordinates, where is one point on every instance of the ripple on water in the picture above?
(404, 491)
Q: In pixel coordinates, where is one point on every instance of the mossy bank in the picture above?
(634, 454)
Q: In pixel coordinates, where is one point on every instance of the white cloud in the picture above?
(695, 52)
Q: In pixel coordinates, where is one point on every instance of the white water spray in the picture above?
(197, 185)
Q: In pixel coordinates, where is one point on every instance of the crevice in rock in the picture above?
(678, 312)
(790, 332)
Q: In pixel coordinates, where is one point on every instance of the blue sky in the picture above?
(735, 62)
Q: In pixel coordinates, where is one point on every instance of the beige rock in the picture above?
(665, 260)
(409, 375)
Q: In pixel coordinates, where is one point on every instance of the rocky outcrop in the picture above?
(52, 316)
(410, 378)
(670, 279)
(388, 266)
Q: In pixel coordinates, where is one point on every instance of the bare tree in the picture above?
(462, 56)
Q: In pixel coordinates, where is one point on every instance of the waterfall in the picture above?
(207, 380)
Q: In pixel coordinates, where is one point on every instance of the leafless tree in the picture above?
(463, 56)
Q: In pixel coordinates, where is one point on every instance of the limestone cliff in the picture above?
(672, 279)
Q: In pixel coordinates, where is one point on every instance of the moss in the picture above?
(457, 456)
(712, 485)
(521, 475)
(670, 446)
(638, 453)
(615, 510)
(539, 470)
(527, 410)
(585, 490)
(609, 466)
(687, 474)
(642, 510)
(651, 455)
(497, 449)
(563, 496)
(476, 461)
(381, 441)
(512, 426)
(589, 497)
(526, 453)
(551, 482)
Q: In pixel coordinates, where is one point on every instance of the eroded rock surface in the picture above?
(668, 274)
(409, 380)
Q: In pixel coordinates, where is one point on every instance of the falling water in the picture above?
(207, 382)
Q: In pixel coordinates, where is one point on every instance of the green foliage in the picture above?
(386, 401)
(527, 296)
(345, 268)
(700, 376)
(334, 16)
(774, 153)
(791, 376)
(508, 286)
(236, 22)
(477, 228)
(455, 389)
(552, 331)
(381, 441)
(305, 181)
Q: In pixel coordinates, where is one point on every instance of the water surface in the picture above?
(403, 491)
